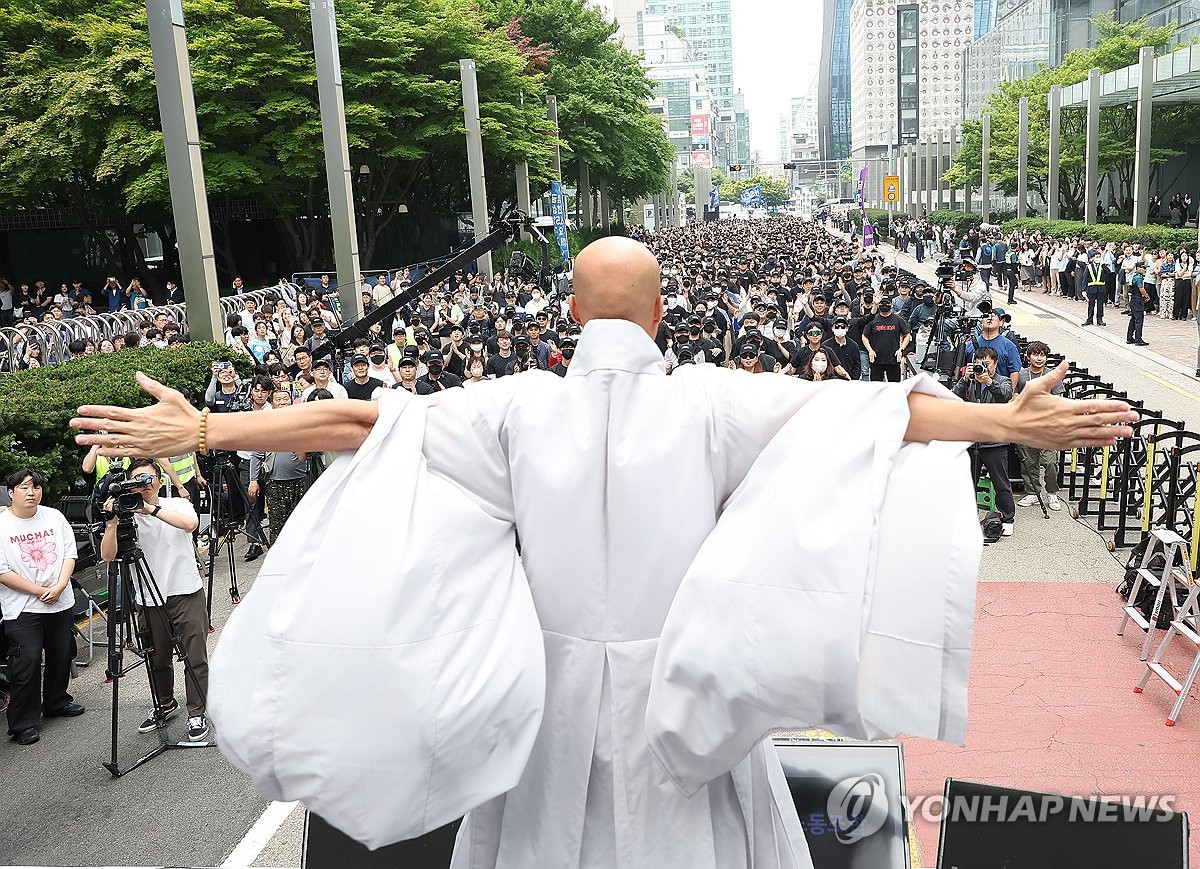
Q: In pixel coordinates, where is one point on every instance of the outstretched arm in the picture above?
(171, 426)
(1036, 418)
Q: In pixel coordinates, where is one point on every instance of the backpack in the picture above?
(1147, 593)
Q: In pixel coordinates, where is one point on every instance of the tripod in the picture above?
(229, 507)
(132, 576)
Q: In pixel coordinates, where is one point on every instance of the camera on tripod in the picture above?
(123, 489)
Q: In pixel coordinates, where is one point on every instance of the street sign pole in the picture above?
(887, 194)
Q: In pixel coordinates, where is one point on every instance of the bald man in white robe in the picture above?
(613, 477)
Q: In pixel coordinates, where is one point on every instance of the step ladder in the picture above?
(1175, 567)
(1186, 624)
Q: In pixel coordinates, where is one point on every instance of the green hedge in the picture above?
(877, 216)
(962, 221)
(36, 405)
(1153, 236)
(577, 240)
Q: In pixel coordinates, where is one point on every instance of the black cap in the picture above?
(434, 356)
(840, 321)
(399, 330)
(377, 346)
(407, 360)
(322, 363)
(359, 359)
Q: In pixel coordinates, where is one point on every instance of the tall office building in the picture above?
(834, 118)
(1028, 34)
(707, 25)
(906, 69)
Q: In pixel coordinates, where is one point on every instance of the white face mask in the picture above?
(780, 331)
(840, 333)
(819, 365)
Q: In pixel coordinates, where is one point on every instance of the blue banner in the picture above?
(558, 210)
(752, 196)
(714, 199)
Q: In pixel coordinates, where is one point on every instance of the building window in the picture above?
(908, 72)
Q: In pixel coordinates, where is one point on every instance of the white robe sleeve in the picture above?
(387, 667)
(859, 620)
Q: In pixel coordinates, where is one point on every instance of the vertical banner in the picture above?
(558, 210)
(860, 197)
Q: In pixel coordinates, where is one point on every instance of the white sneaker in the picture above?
(1028, 501)
(1008, 529)
(197, 728)
(1054, 503)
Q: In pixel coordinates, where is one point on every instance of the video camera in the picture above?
(123, 489)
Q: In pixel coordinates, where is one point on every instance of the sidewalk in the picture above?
(1172, 342)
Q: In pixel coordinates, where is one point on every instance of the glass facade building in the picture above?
(834, 116)
(707, 25)
(1031, 33)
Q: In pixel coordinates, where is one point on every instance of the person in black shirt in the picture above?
(436, 375)
(497, 364)
(846, 349)
(568, 353)
(407, 370)
(361, 385)
(814, 340)
(884, 339)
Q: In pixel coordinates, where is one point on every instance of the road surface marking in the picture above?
(1169, 385)
(259, 836)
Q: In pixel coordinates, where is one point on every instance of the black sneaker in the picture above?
(197, 728)
(159, 717)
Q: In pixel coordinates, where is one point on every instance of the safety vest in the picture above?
(103, 463)
(185, 466)
(1095, 278)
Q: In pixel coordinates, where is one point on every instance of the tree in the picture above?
(687, 181)
(1118, 46)
(775, 193)
(602, 92)
(79, 122)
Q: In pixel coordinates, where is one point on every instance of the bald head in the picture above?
(617, 279)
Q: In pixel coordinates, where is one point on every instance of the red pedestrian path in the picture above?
(1052, 706)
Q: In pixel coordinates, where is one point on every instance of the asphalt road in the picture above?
(59, 806)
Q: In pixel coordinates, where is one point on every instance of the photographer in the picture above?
(225, 393)
(981, 385)
(164, 527)
(37, 558)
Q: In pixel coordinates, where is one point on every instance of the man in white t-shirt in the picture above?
(165, 527)
(37, 558)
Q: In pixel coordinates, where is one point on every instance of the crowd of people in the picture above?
(782, 297)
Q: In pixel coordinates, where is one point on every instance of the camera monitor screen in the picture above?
(991, 827)
(851, 800)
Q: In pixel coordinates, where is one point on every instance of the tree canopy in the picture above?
(79, 123)
(775, 193)
(1174, 128)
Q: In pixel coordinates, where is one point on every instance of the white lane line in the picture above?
(259, 835)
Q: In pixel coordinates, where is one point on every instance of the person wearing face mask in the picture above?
(845, 348)
(568, 353)
(436, 376)
(885, 339)
(820, 368)
(813, 341)
(475, 373)
(779, 344)
(377, 359)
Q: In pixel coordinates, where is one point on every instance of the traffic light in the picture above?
(736, 167)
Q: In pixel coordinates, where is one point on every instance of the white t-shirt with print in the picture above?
(168, 550)
(35, 548)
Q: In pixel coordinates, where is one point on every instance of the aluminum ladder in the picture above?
(1186, 624)
(1174, 549)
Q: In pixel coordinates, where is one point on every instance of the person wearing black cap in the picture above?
(407, 369)
(568, 353)
(845, 348)
(436, 375)
(1139, 297)
(320, 337)
(362, 385)
(323, 379)
(885, 339)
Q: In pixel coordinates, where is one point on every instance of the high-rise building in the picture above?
(834, 118)
(741, 120)
(702, 133)
(707, 25)
(906, 69)
(1028, 34)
